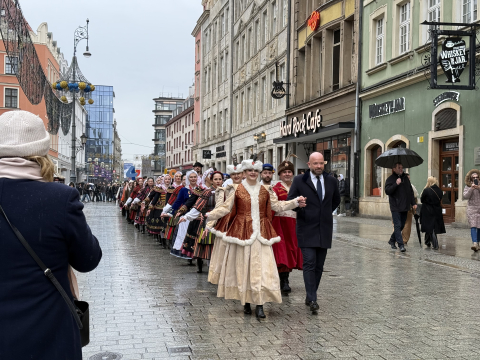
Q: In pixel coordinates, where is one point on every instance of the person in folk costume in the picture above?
(140, 199)
(249, 271)
(124, 197)
(236, 176)
(155, 223)
(287, 253)
(186, 198)
(172, 222)
(201, 247)
(133, 195)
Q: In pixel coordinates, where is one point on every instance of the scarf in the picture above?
(19, 168)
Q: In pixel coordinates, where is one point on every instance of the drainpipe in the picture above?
(289, 35)
(358, 113)
(230, 135)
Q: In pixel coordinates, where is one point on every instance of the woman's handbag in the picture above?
(79, 309)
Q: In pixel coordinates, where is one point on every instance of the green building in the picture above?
(398, 110)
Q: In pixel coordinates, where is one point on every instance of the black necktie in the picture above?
(319, 189)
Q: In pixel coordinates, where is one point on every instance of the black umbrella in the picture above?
(408, 158)
(418, 228)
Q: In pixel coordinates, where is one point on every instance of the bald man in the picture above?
(315, 222)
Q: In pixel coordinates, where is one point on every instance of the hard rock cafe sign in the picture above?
(314, 21)
(310, 123)
(278, 90)
(453, 59)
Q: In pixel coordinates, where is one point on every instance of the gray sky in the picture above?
(140, 47)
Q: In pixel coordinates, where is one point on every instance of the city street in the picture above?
(375, 303)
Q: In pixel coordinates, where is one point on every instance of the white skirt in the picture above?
(181, 233)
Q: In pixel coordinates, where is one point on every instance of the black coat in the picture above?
(400, 196)
(315, 221)
(431, 216)
(35, 322)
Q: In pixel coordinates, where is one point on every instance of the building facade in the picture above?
(164, 108)
(99, 150)
(117, 165)
(399, 111)
(180, 136)
(321, 110)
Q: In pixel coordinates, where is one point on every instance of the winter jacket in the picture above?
(343, 188)
(400, 196)
(431, 215)
(473, 196)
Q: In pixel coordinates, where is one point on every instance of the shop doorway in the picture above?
(449, 167)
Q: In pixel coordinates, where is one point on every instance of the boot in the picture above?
(247, 309)
(137, 227)
(434, 241)
(199, 266)
(474, 247)
(143, 229)
(286, 287)
(259, 312)
(164, 243)
(190, 262)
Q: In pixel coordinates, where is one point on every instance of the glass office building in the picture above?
(99, 150)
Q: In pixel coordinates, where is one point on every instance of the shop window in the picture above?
(375, 172)
(446, 119)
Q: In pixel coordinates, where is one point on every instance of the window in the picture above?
(221, 70)
(220, 124)
(214, 75)
(242, 104)
(274, 18)
(249, 99)
(379, 43)
(226, 20)
(336, 60)
(264, 95)
(469, 11)
(272, 79)
(434, 10)
(11, 64)
(256, 41)
(285, 13)
(222, 20)
(264, 35)
(11, 98)
(249, 43)
(237, 50)
(255, 100)
(404, 28)
(243, 58)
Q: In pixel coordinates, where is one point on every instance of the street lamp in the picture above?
(83, 139)
(72, 86)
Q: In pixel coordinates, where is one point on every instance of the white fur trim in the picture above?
(232, 169)
(250, 165)
(254, 192)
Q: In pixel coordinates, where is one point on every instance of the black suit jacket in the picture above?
(315, 221)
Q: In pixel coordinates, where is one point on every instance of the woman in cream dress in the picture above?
(249, 272)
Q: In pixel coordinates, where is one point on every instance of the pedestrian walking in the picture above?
(36, 322)
(472, 194)
(407, 229)
(288, 255)
(431, 216)
(344, 190)
(71, 184)
(400, 196)
(315, 222)
(249, 272)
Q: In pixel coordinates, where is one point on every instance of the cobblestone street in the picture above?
(374, 303)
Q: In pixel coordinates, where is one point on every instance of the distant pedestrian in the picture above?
(472, 193)
(36, 322)
(431, 216)
(71, 184)
(400, 197)
(344, 189)
(407, 229)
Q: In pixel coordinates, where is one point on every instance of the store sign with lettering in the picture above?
(453, 59)
(310, 123)
(386, 108)
(449, 95)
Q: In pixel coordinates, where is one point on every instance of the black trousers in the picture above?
(313, 260)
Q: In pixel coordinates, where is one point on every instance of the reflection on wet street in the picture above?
(374, 303)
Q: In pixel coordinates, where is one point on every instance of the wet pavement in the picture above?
(374, 303)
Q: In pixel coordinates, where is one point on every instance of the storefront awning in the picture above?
(335, 129)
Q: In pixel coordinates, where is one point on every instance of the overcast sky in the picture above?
(142, 48)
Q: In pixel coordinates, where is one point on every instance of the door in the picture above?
(449, 177)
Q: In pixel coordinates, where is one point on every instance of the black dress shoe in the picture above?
(402, 248)
(392, 245)
(247, 309)
(314, 306)
(259, 312)
(307, 302)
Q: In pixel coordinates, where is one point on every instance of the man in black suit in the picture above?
(315, 222)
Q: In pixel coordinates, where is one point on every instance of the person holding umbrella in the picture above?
(401, 198)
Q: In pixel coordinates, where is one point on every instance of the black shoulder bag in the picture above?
(79, 309)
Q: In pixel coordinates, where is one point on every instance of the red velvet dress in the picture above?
(287, 253)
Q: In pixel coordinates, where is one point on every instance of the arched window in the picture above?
(375, 172)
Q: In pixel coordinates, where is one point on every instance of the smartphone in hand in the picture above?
(475, 181)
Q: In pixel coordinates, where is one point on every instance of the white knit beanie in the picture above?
(22, 134)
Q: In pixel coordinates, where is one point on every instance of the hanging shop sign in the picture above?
(220, 148)
(454, 55)
(453, 59)
(449, 95)
(278, 90)
(386, 108)
(310, 123)
(207, 154)
(314, 21)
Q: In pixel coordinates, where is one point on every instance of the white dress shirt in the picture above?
(314, 180)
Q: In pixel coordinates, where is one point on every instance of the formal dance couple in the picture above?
(243, 262)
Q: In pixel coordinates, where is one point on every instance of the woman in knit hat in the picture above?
(35, 318)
